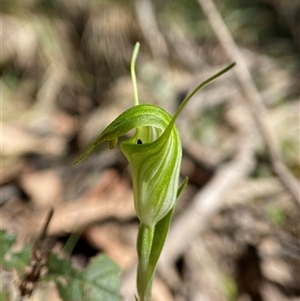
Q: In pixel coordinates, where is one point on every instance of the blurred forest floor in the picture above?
(65, 76)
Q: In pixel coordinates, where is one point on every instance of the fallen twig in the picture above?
(147, 21)
(252, 97)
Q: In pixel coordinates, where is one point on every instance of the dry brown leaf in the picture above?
(106, 237)
(10, 169)
(109, 197)
(43, 187)
(17, 140)
(18, 40)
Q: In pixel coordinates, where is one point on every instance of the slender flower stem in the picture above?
(144, 247)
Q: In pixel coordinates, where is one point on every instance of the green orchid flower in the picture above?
(154, 154)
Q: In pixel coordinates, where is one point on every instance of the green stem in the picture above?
(144, 247)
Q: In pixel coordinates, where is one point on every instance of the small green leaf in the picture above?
(13, 259)
(18, 260)
(6, 241)
(98, 282)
